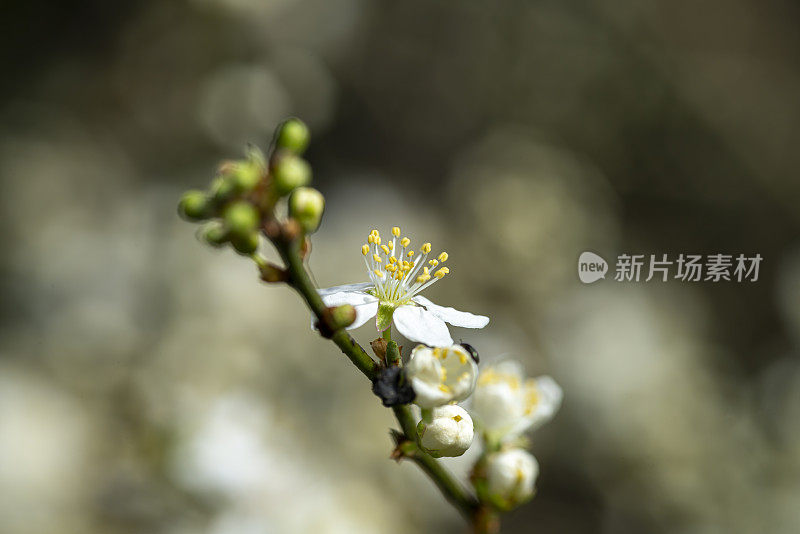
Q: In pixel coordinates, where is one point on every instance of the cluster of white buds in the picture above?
(441, 376)
(505, 405)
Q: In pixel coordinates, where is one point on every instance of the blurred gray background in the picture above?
(151, 385)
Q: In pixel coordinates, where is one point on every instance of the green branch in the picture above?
(299, 280)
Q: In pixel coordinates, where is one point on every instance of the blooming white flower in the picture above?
(447, 431)
(441, 375)
(505, 404)
(510, 476)
(397, 275)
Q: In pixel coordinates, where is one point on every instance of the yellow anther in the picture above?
(425, 248)
(391, 245)
(443, 257)
(423, 278)
(410, 253)
(391, 268)
(425, 270)
(375, 232)
(433, 263)
(365, 249)
(378, 272)
(377, 239)
(457, 418)
(377, 258)
(385, 249)
(392, 259)
(398, 276)
(371, 238)
(405, 241)
(462, 358)
(396, 231)
(444, 388)
(440, 273)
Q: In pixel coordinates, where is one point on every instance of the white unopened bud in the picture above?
(447, 431)
(510, 476)
(441, 375)
(506, 404)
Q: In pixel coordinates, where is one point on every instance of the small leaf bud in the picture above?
(245, 244)
(241, 218)
(342, 316)
(306, 206)
(290, 172)
(246, 175)
(194, 206)
(293, 136)
(215, 235)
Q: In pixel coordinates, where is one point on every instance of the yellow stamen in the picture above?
(405, 242)
(443, 257)
(365, 250)
(396, 231)
(377, 258)
(378, 272)
(410, 253)
(441, 272)
(385, 249)
(425, 248)
(433, 263)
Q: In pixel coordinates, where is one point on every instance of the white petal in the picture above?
(417, 324)
(361, 287)
(366, 305)
(452, 315)
(355, 298)
(550, 396)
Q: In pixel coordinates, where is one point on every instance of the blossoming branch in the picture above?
(266, 199)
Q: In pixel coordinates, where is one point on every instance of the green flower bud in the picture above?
(215, 235)
(245, 244)
(293, 136)
(306, 206)
(342, 316)
(241, 218)
(194, 206)
(290, 173)
(223, 187)
(246, 175)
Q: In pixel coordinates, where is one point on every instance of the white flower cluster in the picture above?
(505, 404)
